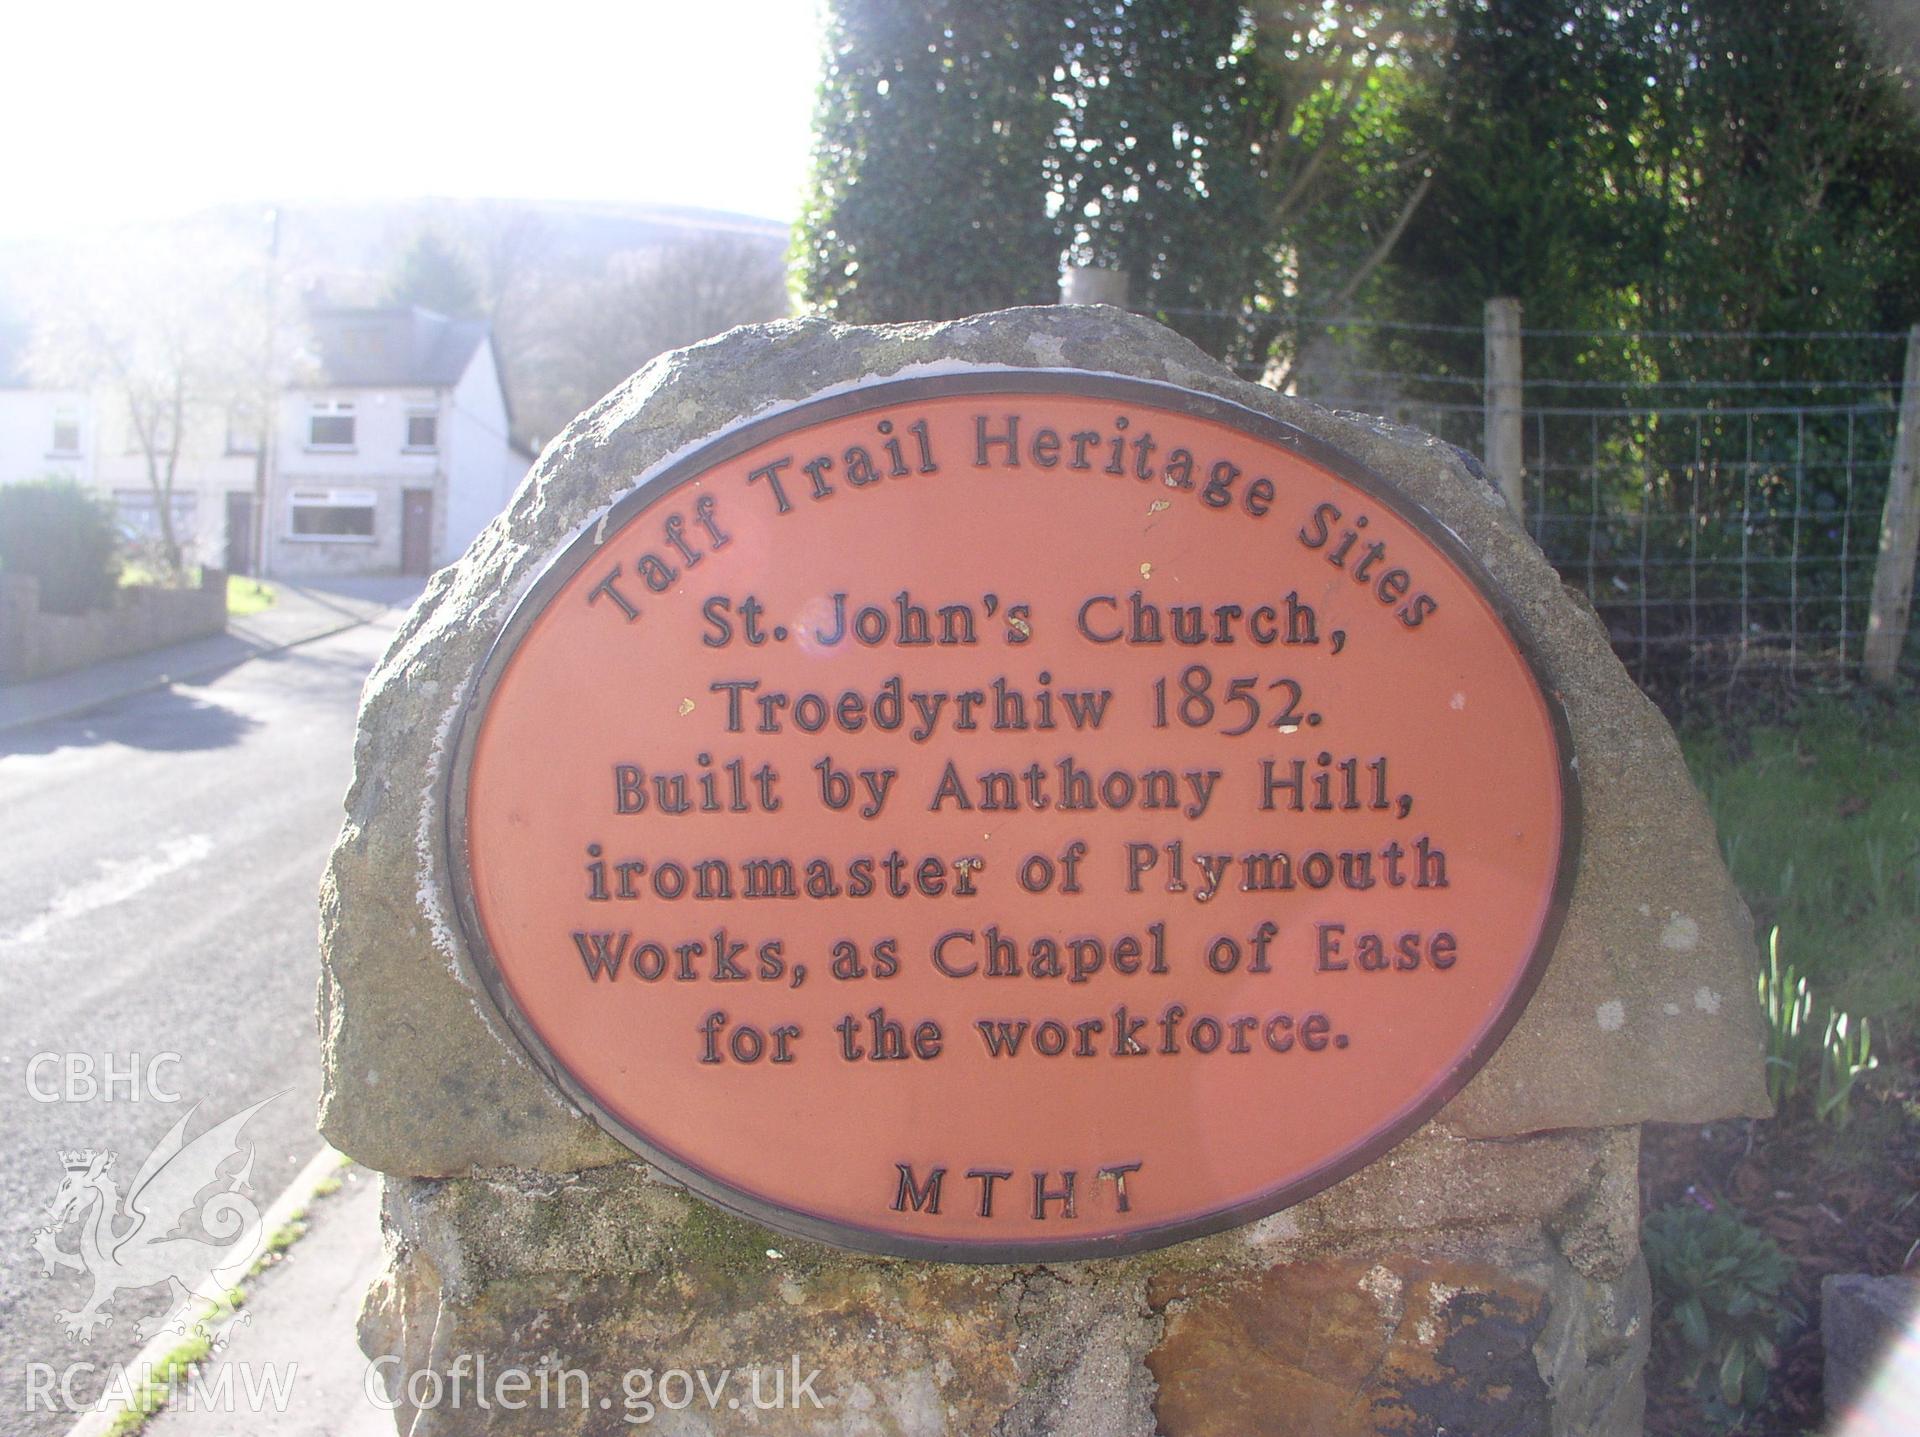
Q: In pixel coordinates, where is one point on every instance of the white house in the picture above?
(42, 431)
(389, 458)
(398, 455)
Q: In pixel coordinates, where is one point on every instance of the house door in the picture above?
(239, 532)
(416, 531)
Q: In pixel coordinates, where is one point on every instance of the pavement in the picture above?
(302, 613)
(297, 1337)
(166, 826)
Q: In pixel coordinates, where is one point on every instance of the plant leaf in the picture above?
(1733, 1373)
(1693, 1322)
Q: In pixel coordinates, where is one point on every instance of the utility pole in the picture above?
(269, 393)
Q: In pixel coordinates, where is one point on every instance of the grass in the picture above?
(1819, 818)
(158, 1387)
(136, 572)
(244, 595)
(248, 596)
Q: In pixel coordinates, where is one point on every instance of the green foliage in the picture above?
(434, 275)
(1710, 167)
(1844, 1056)
(1721, 1285)
(1788, 1006)
(1155, 93)
(1798, 209)
(934, 152)
(963, 149)
(1841, 1052)
(63, 536)
(1244, 165)
(1706, 166)
(1538, 105)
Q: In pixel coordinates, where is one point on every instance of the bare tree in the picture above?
(175, 331)
(593, 333)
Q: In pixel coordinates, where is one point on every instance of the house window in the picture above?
(331, 514)
(138, 517)
(330, 425)
(66, 432)
(423, 430)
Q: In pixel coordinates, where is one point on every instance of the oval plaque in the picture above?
(1011, 815)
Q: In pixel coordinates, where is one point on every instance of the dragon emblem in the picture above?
(150, 1236)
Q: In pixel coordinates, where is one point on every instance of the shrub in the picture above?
(64, 537)
(1721, 1285)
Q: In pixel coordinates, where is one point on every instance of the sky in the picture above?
(128, 111)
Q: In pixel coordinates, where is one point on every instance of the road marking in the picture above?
(117, 880)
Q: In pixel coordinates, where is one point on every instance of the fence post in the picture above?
(1899, 531)
(1506, 455)
(1089, 284)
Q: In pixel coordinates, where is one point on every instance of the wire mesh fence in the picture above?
(1724, 544)
(1717, 495)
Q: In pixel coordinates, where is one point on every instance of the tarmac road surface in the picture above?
(159, 861)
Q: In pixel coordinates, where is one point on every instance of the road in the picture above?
(159, 861)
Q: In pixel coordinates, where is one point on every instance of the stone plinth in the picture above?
(1457, 1284)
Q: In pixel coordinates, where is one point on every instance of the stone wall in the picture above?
(1484, 1276)
(1455, 1286)
(34, 644)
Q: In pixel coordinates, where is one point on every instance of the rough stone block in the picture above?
(1647, 1011)
(1484, 1275)
(1870, 1327)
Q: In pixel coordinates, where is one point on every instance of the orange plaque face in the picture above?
(1011, 815)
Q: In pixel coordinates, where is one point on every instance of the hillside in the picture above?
(580, 294)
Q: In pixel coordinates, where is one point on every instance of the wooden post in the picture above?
(1899, 531)
(1086, 284)
(1506, 452)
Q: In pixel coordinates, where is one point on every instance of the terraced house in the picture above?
(388, 456)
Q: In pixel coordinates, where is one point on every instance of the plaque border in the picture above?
(696, 459)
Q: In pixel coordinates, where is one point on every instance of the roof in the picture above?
(394, 347)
